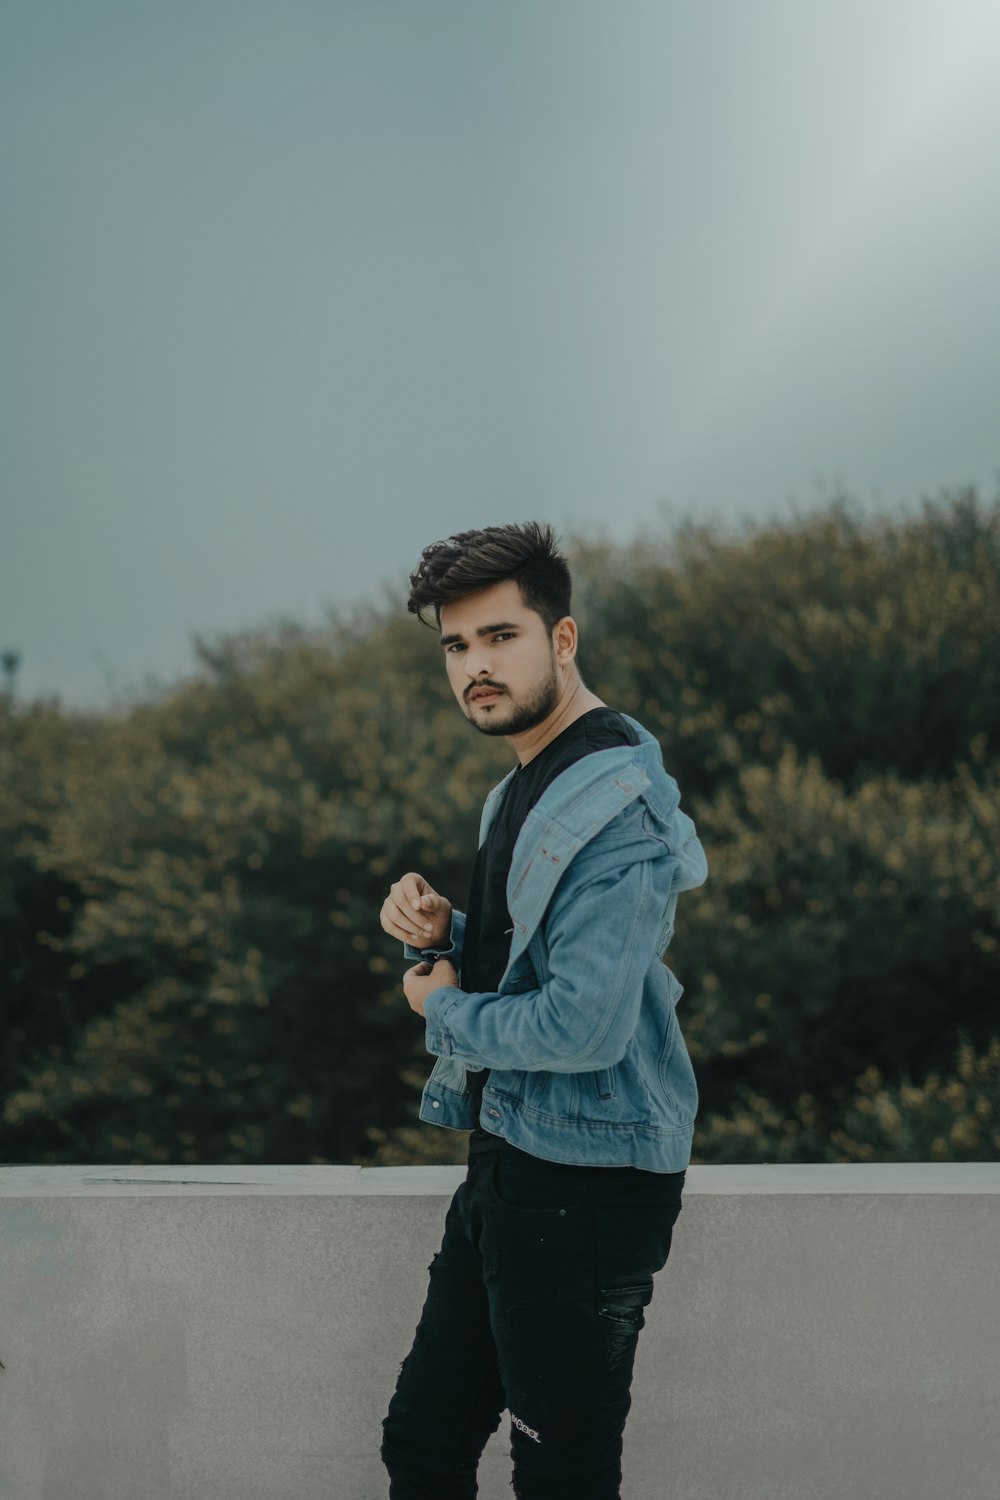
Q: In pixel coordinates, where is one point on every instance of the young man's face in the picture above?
(501, 662)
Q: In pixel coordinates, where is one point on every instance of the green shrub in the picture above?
(190, 885)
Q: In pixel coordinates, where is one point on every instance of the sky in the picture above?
(291, 288)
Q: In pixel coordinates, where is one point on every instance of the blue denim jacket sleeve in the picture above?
(452, 950)
(601, 934)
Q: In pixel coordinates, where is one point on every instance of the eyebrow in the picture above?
(449, 640)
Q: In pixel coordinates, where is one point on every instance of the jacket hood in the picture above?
(609, 780)
(576, 806)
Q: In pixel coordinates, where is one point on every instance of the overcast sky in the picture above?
(291, 288)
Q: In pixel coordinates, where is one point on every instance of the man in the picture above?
(553, 1022)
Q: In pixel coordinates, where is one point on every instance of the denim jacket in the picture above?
(586, 1057)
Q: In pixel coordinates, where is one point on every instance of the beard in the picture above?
(521, 716)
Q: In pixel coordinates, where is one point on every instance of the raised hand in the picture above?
(415, 913)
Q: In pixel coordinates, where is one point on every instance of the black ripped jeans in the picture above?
(534, 1305)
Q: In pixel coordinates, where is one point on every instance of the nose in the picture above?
(477, 662)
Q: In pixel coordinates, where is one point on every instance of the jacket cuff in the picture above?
(439, 1041)
(452, 949)
(416, 954)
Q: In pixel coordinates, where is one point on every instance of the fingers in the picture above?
(403, 925)
(417, 893)
(400, 918)
(414, 913)
(428, 966)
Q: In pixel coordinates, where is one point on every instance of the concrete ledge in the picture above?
(234, 1333)
(115, 1181)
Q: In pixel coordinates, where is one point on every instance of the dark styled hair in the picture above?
(472, 560)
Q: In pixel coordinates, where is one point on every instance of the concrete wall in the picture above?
(818, 1332)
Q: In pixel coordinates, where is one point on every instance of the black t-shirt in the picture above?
(488, 925)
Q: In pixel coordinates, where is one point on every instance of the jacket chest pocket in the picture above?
(521, 977)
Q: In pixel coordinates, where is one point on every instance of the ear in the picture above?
(564, 639)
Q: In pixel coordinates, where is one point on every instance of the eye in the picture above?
(455, 646)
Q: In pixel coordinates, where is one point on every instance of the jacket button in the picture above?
(435, 1104)
(495, 1113)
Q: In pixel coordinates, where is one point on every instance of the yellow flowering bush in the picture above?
(193, 968)
(952, 1115)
